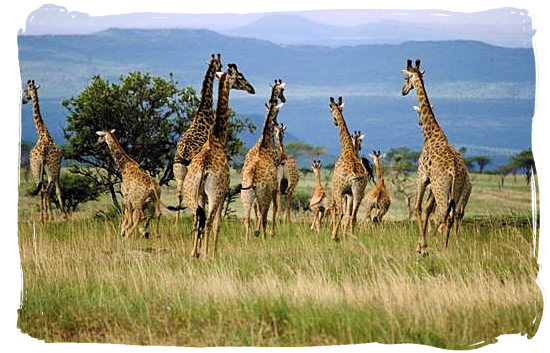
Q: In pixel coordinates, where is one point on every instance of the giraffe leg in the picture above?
(348, 209)
(48, 200)
(337, 214)
(369, 205)
(320, 215)
(216, 228)
(60, 197)
(421, 184)
(137, 215)
(125, 222)
(158, 213)
(247, 200)
(273, 216)
(277, 207)
(358, 193)
(179, 174)
(315, 215)
(288, 206)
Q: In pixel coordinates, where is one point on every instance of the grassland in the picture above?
(82, 283)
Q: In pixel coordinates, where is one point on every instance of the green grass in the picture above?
(82, 283)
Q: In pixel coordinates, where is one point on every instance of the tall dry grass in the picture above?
(82, 283)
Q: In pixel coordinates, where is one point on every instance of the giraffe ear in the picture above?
(280, 105)
(100, 133)
(112, 131)
(219, 74)
(405, 73)
(37, 86)
(361, 137)
(416, 108)
(342, 105)
(283, 84)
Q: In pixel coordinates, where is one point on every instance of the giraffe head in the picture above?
(336, 107)
(280, 132)
(412, 75)
(30, 91)
(357, 138)
(316, 166)
(376, 157)
(237, 79)
(215, 62)
(104, 136)
(277, 89)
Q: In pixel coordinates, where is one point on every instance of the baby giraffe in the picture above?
(318, 203)
(378, 197)
(140, 191)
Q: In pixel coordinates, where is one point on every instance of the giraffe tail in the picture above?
(283, 186)
(201, 220)
(451, 207)
(37, 189)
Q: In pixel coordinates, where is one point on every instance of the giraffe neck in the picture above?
(205, 110)
(318, 179)
(266, 140)
(430, 128)
(38, 122)
(220, 126)
(281, 147)
(345, 138)
(119, 156)
(379, 175)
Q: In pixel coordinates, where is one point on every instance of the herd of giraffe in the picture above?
(201, 169)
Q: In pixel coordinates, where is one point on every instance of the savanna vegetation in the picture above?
(82, 283)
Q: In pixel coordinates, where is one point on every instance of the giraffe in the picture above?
(45, 157)
(196, 135)
(349, 178)
(140, 191)
(357, 139)
(438, 165)
(319, 202)
(378, 197)
(464, 196)
(259, 173)
(288, 174)
(207, 180)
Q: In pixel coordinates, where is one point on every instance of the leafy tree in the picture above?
(503, 171)
(297, 149)
(524, 161)
(481, 161)
(76, 189)
(148, 113)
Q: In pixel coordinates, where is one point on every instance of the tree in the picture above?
(481, 161)
(297, 149)
(403, 161)
(148, 113)
(525, 162)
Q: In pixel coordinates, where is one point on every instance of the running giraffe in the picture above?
(349, 178)
(259, 173)
(319, 202)
(378, 197)
(196, 135)
(207, 180)
(438, 166)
